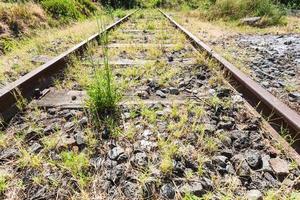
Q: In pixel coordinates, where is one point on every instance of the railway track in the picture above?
(182, 127)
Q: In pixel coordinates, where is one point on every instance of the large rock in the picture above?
(160, 94)
(250, 20)
(279, 166)
(117, 153)
(167, 191)
(253, 159)
(194, 188)
(254, 195)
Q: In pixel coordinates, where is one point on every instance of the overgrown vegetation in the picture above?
(236, 9)
(271, 11)
(102, 90)
(20, 18)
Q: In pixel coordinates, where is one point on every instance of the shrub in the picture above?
(18, 18)
(235, 9)
(62, 9)
(103, 93)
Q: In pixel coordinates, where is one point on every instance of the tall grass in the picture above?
(102, 90)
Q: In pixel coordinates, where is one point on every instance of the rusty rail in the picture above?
(278, 114)
(42, 76)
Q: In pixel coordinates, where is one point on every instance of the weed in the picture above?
(149, 115)
(28, 160)
(175, 114)
(3, 184)
(102, 91)
(130, 132)
(21, 102)
(168, 151)
(112, 124)
(166, 165)
(38, 180)
(189, 196)
(3, 140)
(290, 87)
(201, 160)
(214, 102)
(144, 177)
(210, 144)
(51, 141)
(77, 164)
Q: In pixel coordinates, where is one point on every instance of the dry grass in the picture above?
(21, 17)
(50, 42)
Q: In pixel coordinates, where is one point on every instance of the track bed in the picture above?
(180, 131)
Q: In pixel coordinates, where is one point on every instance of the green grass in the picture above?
(236, 9)
(76, 164)
(3, 183)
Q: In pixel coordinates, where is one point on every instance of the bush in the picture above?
(69, 9)
(236, 9)
(59, 9)
(18, 18)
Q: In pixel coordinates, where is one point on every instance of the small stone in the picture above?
(194, 188)
(279, 166)
(143, 94)
(9, 153)
(83, 122)
(79, 139)
(51, 111)
(147, 133)
(40, 59)
(224, 92)
(106, 133)
(241, 142)
(182, 84)
(153, 84)
(241, 166)
(227, 152)
(219, 161)
(35, 147)
(167, 191)
(96, 162)
(37, 93)
(174, 91)
(160, 94)
(66, 141)
(140, 159)
(69, 125)
(159, 113)
(68, 116)
(116, 153)
(178, 168)
(225, 125)
(254, 195)
(294, 97)
(130, 190)
(147, 145)
(50, 129)
(253, 159)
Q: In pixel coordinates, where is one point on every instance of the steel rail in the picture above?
(278, 114)
(42, 76)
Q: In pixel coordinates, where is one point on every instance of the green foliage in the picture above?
(77, 165)
(103, 92)
(3, 184)
(65, 9)
(119, 3)
(236, 9)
